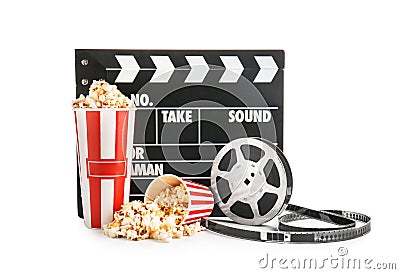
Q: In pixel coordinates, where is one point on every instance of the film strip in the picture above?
(299, 234)
(196, 110)
(252, 190)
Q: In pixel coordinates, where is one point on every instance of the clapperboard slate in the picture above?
(189, 103)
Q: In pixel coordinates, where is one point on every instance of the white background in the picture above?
(341, 124)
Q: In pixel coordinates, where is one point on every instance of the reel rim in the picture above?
(283, 192)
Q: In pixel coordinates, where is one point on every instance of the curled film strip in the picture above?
(252, 184)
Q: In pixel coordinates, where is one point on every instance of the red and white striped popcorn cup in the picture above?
(104, 147)
(201, 201)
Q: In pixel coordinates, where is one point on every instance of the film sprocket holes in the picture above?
(252, 184)
(196, 107)
(190, 103)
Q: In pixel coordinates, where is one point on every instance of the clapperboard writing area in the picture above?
(189, 104)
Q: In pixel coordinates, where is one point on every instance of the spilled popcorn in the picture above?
(173, 197)
(160, 219)
(102, 95)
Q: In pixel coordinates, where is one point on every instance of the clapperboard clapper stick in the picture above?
(190, 103)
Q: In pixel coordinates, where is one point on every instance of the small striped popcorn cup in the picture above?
(200, 198)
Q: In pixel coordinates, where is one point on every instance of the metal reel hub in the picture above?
(251, 181)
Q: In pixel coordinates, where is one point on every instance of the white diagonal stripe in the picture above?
(107, 201)
(107, 133)
(127, 62)
(164, 69)
(129, 68)
(83, 149)
(198, 207)
(268, 69)
(193, 186)
(202, 198)
(233, 69)
(198, 215)
(198, 190)
(199, 69)
(266, 62)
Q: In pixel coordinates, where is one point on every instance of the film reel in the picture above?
(252, 184)
(250, 181)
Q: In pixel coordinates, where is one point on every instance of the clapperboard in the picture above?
(189, 104)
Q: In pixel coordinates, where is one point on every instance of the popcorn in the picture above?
(159, 219)
(102, 95)
(174, 198)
